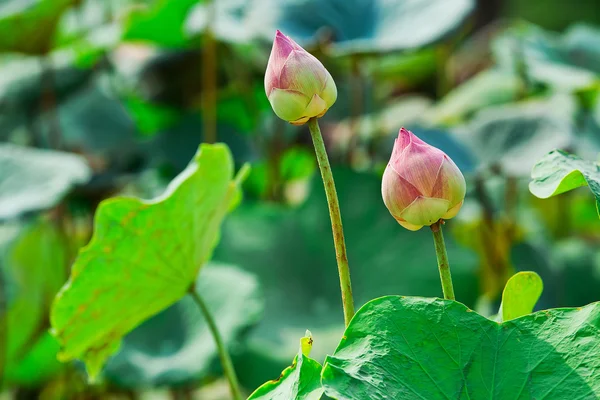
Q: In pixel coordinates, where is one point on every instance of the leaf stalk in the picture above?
(442, 258)
(224, 356)
(336, 219)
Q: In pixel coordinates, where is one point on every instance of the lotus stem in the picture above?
(226, 362)
(336, 219)
(442, 258)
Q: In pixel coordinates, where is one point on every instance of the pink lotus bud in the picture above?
(297, 84)
(421, 184)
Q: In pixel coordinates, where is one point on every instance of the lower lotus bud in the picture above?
(421, 184)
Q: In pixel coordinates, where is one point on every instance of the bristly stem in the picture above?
(442, 258)
(336, 220)
(226, 362)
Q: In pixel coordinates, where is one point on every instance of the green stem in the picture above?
(226, 362)
(336, 220)
(442, 258)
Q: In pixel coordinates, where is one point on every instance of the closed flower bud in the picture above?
(421, 184)
(297, 84)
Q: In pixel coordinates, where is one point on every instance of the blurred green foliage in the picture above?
(101, 97)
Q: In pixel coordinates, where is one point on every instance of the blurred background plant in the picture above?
(105, 97)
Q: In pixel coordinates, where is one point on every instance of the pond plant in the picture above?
(145, 255)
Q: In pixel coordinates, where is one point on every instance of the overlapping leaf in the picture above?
(142, 258)
(418, 348)
(560, 172)
(520, 295)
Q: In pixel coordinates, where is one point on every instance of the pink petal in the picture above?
(404, 138)
(450, 183)
(304, 73)
(419, 164)
(282, 47)
(397, 192)
(271, 80)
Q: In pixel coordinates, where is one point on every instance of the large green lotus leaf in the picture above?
(559, 172)
(417, 348)
(300, 381)
(291, 251)
(521, 293)
(34, 179)
(364, 26)
(27, 26)
(35, 264)
(161, 22)
(176, 347)
(488, 88)
(142, 258)
(514, 136)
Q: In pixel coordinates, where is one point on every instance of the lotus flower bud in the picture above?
(421, 184)
(297, 84)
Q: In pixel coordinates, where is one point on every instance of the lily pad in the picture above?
(418, 348)
(176, 347)
(34, 179)
(300, 381)
(520, 295)
(143, 257)
(560, 172)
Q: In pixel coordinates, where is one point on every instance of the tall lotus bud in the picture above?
(297, 84)
(421, 184)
